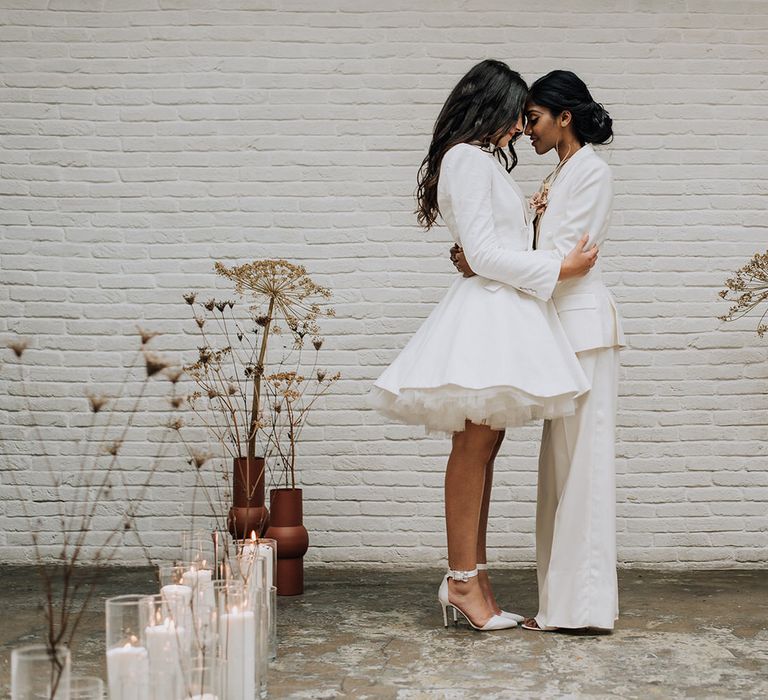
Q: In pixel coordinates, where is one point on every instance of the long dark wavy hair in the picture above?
(562, 90)
(485, 104)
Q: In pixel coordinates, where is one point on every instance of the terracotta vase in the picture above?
(286, 525)
(248, 512)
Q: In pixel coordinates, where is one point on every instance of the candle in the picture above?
(201, 584)
(250, 572)
(128, 673)
(177, 604)
(239, 636)
(265, 551)
(164, 644)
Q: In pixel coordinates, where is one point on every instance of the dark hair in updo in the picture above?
(563, 90)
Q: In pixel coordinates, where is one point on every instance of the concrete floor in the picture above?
(376, 634)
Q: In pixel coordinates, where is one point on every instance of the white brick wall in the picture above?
(142, 139)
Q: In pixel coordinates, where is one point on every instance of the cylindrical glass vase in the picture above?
(205, 680)
(127, 657)
(167, 631)
(237, 639)
(40, 674)
(86, 688)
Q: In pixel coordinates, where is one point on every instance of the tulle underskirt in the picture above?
(445, 409)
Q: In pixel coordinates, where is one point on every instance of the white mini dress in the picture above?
(491, 353)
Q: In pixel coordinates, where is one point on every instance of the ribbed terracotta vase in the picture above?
(286, 525)
(248, 513)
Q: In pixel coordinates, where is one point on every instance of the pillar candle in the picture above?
(177, 604)
(201, 583)
(128, 673)
(239, 637)
(266, 551)
(164, 644)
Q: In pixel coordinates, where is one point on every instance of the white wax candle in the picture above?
(266, 551)
(128, 673)
(239, 637)
(249, 571)
(199, 580)
(164, 644)
(177, 604)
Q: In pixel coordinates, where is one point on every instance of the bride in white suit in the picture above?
(489, 356)
(575, 515)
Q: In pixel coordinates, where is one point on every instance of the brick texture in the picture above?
(142, 140)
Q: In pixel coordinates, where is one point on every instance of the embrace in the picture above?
(527, 331)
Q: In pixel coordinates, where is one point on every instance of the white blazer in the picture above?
(485, 211)
(580, 202)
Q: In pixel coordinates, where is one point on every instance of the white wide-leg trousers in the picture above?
(576, 509)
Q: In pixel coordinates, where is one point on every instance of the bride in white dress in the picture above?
(491, 355)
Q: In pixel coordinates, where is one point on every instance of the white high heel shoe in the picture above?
(497, 622)
(503, 613)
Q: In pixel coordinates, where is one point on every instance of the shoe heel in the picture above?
(445, 614)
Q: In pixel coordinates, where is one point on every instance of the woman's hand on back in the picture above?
(579, 261)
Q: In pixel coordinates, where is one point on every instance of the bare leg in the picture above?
(485, 582)
(465, 478)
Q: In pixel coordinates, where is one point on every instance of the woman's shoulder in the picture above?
(596, 164)
(465, 154)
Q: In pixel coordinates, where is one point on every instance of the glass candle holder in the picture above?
(205, 681)
(193, 579)
(237, 639)
(167, 630)
(197, 546)
(251, 569)
(267, 549)
(37, 674)
(272, 623)
(86, 688)
(127, 657)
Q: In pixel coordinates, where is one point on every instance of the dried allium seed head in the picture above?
(210, 304)
(261, 320)
(189, 297)
(18, 346)
(212, 393)
(221, 305)
(176, 401)
(277, 408)
(320, 375)
(198, 458)
(199, 321)
(154, 363)
(114, 447)
(176, 424)
(96, 402)
(232, 388)
(231, 303)
(317, 342)
(174, 374)
(248, 370)
(146, 336)
(205, 355)
(240, 336)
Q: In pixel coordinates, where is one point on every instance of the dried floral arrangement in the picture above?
(68, 569)
(251, 394)
(748, 290)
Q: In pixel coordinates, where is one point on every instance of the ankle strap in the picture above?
(462, 575)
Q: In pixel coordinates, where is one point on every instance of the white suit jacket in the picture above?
(580, 202)
(485, 211)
